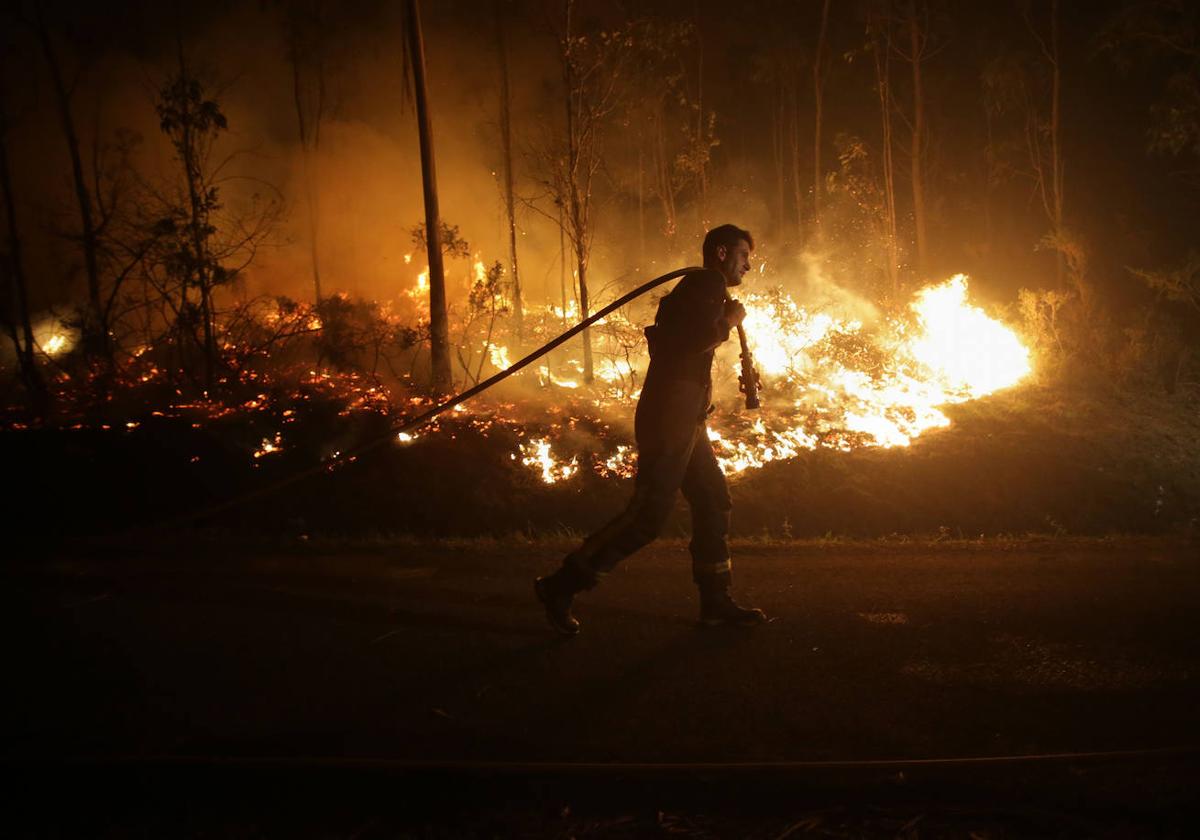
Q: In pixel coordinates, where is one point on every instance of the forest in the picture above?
(243, 242)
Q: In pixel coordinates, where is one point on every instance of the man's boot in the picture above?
(556, 592)
(718, 608)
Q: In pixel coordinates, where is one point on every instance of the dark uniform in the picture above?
(674, 451)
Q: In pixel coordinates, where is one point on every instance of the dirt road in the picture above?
(439, 653)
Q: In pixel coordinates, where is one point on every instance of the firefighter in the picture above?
(674, 452)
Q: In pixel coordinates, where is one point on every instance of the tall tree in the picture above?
(192, 121)
(307, 35)
(506, 148)
(879, 31)
(96, 337)
(820, 65)
(918, 44)
(439, 325)
(18, 323)
(1049, 164)
(593, 68)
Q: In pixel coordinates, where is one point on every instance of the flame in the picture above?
(536, 453)
(967, 350)
(498, 354)
(835, 382)
(55, 344)
(54, 337)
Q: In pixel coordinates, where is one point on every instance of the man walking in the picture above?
(674, 452)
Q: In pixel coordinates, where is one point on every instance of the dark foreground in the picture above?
(416, 691)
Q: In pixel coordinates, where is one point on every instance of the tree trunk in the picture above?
(96, 333)
(309, 134)
(641, 190)
(562, 262)
(577, 209)
(818, 115)
(916, 44)
(35, 387)
(198, 224)
(663, 181)
(882, 54)
(778, 114)
(1056, 162)
(506, 140)
(793, 106)
(701, 130)
(439, 326)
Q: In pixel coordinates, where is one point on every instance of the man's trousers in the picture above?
(674, 453)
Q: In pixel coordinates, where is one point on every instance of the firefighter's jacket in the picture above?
(687, 329)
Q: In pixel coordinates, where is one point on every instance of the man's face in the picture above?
(734, 262)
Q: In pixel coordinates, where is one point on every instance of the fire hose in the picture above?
(748, 383)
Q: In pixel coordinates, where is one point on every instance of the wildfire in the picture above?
(838, 383)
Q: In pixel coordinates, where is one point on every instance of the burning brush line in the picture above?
(828, 382)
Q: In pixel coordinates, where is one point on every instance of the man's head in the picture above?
(727, 249)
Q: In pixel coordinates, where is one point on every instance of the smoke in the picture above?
(818, 291)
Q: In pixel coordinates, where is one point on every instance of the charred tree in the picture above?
(439, 325)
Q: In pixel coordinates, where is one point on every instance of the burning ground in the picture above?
(930, 419)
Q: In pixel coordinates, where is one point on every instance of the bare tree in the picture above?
(506, 146)
(95, 330)
(593, 67)
(199, 246)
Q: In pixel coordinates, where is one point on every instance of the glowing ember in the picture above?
(269, 446)
(622, 463)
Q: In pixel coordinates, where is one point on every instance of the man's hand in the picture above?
(734, 313)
